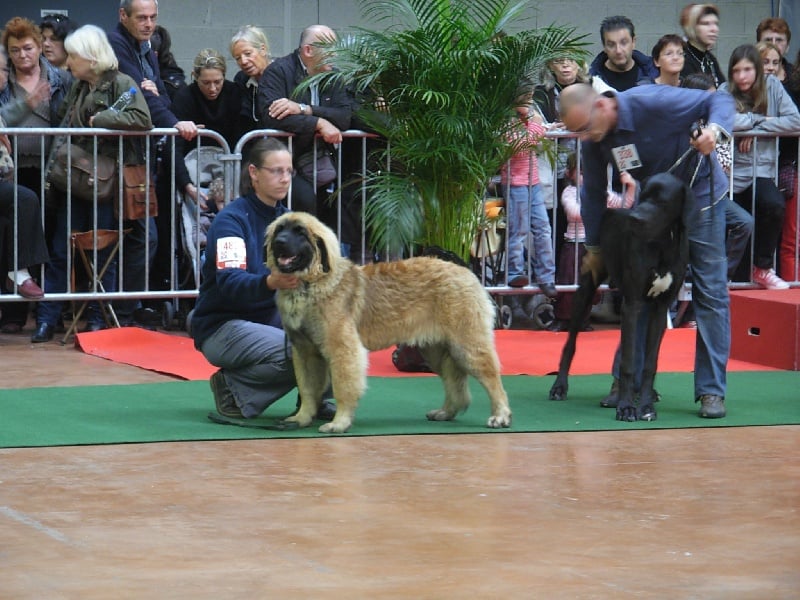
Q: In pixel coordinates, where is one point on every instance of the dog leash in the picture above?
(280, 425)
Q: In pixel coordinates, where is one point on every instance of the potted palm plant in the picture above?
(446, 75)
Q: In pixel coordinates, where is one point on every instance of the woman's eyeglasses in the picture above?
(278, 171)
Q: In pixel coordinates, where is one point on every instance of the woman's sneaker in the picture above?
(767, 278)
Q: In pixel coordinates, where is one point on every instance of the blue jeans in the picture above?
(709, 265)
(139, 250)
(739, 227)
(525, 211)
(55, 273)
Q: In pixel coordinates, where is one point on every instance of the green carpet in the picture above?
(176, 411)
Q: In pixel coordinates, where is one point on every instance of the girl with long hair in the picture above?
(762, 105)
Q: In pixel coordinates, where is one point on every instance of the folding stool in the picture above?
(82, 243)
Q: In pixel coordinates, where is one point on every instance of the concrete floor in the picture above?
(700, 513)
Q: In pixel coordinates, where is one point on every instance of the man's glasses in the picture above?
(278, 171)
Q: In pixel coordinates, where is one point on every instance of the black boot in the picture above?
(43, 333)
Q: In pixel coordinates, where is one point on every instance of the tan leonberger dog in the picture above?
(341, 311)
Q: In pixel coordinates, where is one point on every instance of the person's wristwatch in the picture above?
(303, 107)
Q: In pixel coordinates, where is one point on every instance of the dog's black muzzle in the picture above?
(293, 251)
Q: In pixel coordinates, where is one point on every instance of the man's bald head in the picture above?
(575, 98)
(314, 34)
(311, 55)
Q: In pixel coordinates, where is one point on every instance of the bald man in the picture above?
(645, 130)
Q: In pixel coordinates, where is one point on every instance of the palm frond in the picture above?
(449, 75)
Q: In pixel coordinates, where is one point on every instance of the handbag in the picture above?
(787, 179)
(78, 174)
(326, 169)
(6, 162)
(138, 193)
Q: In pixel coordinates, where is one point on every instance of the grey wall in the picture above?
(198, 24)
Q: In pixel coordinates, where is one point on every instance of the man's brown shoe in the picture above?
(27, 289)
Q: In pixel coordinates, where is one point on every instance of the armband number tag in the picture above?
(231, 253)
(626, 157)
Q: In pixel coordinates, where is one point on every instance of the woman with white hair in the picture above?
(250, 49)
(98, 84)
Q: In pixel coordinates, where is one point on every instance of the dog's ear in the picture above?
(324, 257)
(268, 237)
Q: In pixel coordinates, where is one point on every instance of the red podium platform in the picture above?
(765, 327)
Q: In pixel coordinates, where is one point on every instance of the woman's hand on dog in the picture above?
(281, 281)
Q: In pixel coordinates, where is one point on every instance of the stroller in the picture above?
(489, 263)
(206, 167)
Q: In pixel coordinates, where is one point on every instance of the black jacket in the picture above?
(126, 48)
(279, 80)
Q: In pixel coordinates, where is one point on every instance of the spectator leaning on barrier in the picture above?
(319, 111)
(250, 49)
(762, 105)
(97, 86)
(209, 100)
(620, 65)
(130, 40)
(738, 222)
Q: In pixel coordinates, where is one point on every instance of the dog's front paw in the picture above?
(626, 413)
(336, 426)
(302, 419)
(440, 414)
(499, 421)
(558, 391)
(647, 412)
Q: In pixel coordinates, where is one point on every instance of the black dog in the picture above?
(644, 252)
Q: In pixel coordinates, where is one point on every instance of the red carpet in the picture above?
(521, 353)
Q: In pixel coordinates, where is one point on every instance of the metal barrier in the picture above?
(559, 139)
(160, 144)
(151, 154)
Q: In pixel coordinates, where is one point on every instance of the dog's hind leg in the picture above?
(457, 396)
(480, 360)
(592, 274)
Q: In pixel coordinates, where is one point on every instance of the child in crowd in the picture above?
(738, 222)
(525, 208)
(763, 105)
